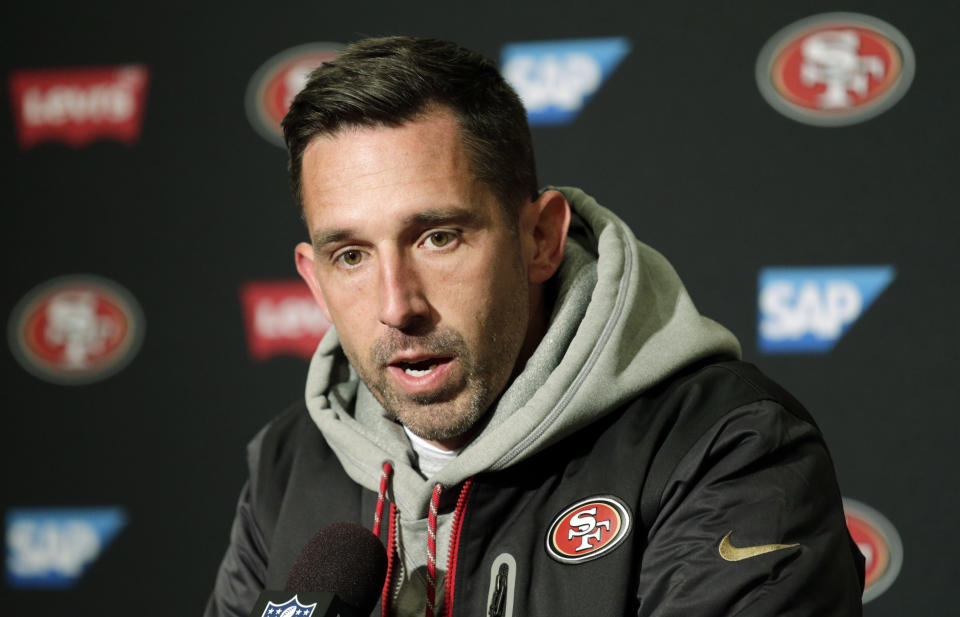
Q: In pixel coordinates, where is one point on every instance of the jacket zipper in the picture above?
(499, 600)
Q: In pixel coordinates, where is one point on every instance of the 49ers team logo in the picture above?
(273, 86)
(76, 329)
(588, 529)
(878, 540)
(835, 69)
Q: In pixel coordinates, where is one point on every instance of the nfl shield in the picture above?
(290, 608)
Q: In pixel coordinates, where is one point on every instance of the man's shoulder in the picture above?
(284, 443)
(282, 430)
(663, 422)
(705, 403)
(705, 391)
(288, 459)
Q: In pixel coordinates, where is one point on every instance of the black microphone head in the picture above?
(346, 559)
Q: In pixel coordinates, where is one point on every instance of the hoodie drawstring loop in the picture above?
(432, 549)
(457, 525)
(382, 496)
(391, 530)
(449, 583)
(391, 543)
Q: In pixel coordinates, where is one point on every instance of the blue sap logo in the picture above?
(51, 548)
(556, 78)
(807, 310)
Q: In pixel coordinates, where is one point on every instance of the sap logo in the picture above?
(807, 310)
(51, 548)
(556, 78)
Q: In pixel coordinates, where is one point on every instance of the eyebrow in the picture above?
(426, 218)
(445, 216)
(330, 236)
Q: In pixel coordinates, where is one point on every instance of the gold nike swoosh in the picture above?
(734, 553)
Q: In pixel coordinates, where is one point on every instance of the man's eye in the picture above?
(351, 258)
(439, 239)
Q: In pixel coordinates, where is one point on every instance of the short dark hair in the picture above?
(393, 80)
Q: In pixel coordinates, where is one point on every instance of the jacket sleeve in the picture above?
(751, 523)
(242, 572)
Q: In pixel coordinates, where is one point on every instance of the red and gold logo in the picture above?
(878, 540)
(588, 529)
(76, 329)
(273, 86)
(835, 69)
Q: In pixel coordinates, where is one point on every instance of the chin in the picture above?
(439, 422)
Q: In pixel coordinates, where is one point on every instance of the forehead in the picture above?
(423, 159)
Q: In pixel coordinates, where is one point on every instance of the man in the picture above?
(555, 428)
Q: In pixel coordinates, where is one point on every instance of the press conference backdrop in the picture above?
(796, 161)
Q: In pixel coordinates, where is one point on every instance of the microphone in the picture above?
(339, 573)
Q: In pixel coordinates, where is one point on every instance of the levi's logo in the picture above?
(281, 318)
(78, 106)
(588, 529)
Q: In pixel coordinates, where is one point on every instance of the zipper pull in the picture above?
(499, 600)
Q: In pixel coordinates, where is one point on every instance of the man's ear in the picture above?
(545, 221)
(305, 266)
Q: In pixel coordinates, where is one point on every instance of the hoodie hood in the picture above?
(621, 322)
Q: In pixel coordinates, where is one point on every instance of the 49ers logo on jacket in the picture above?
(835, 69)
(588, 529)
(273, 86)
(76, 329)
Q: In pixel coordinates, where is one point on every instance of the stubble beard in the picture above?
(444, 413)
(455, 408)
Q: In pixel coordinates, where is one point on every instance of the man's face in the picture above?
(419, 268)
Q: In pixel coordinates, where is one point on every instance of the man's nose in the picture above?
(403, 304)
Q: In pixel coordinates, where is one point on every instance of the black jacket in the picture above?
(705, 467)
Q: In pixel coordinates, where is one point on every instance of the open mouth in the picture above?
(420, 368)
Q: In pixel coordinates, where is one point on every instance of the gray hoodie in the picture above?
(621, 322)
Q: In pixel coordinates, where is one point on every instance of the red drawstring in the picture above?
(456, 527)
(391, 543)
(391, 530)
(381, 496)
(432, 549)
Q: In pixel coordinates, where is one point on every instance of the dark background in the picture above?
(678, 142)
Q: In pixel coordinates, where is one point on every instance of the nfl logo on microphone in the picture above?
(290, 608)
